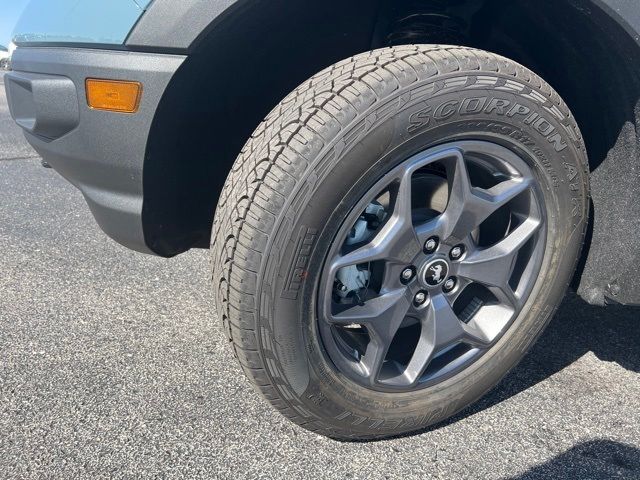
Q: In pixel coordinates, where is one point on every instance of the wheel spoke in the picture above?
(396, 242)
(490, 321)
(382, 316)
(448, 327)
(422, 355)
(492, 266)
(469, 206)
(380, 309)
(480, 204)
(441, 328)
(367, 253)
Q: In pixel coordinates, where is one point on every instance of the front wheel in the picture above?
(395, 236)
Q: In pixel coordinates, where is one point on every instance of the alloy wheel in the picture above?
(432, 266)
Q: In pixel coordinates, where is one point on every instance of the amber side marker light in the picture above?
(113, 95)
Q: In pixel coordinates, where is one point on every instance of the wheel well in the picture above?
(244, 66)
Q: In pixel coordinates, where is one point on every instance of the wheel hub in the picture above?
(434, 272)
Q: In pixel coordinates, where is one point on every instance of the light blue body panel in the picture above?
(78, 21)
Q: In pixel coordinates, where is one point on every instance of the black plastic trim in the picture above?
(104, 155)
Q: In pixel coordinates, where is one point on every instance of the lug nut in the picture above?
(449, 285)
(420, 298)
(456, 252)
(407, 274)
(431, 245)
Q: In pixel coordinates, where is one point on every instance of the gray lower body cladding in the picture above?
(102, 153)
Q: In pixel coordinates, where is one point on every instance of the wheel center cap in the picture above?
(436, 272)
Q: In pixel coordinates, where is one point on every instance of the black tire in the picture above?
(313, 158)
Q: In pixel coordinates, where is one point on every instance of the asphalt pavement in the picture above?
(113, 365)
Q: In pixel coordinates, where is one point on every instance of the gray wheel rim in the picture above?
(446, 340)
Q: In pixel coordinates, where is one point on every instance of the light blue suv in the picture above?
(396, 193)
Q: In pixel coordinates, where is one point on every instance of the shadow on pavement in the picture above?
(612, 333)
(595, 460)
